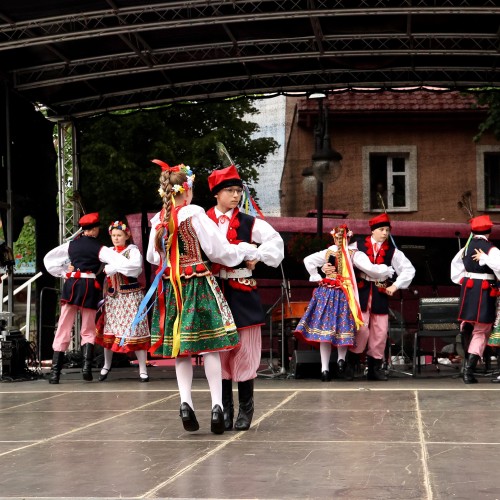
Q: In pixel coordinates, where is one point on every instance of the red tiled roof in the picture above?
(419, 100)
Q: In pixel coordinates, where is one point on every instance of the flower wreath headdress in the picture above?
(336, 232)
(176, 188)
(118, 224)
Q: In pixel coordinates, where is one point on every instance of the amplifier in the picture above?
(307, 364)
(6, 348)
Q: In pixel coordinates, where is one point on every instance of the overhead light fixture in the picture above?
(317, 95)
(326, 164)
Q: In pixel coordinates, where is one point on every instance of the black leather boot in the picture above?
(88, 356)
(245, 413)
(228, 403)
(469, 369)
(352, 364)
(57, 364)
(374, 369)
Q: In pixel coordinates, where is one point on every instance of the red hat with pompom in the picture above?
(481, 224)
(88, 221)
(225, 177)
(381, 220)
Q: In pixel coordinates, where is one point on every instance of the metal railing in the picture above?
(26, 285)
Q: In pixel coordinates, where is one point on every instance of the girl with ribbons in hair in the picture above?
(190, 315)
(333, 315)
(123, 295)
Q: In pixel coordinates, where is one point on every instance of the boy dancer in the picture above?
(240, 290)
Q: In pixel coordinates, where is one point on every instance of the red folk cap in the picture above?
(381, 220)
(88, 221)
(480, 224)
(224, 177)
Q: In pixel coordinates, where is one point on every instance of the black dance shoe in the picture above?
(341, 366)
(189, 418)
(143, 379)
(103, 377)
(325, 376)
(217, 421)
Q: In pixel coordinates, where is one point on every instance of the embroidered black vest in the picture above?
(380, 300)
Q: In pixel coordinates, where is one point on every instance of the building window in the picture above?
(488, 178)
(389, 178)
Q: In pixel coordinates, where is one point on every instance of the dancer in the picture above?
(473, 268)
(494, 340)
(333, 315)
(191, 315)
(84, 255)
(240, 290)
(374, 293)
(122, 296)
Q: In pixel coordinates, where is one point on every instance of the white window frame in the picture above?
(411, 176)
(480, 151)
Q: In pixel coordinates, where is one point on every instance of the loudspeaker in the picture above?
(19, 354)
(307, 364)
(5, 358)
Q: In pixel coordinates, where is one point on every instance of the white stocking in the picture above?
(341, 351)
(325, 350)
(108, 359)
(213, 372)
(142, 357)
(184, 373)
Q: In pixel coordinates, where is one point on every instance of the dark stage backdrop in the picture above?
(34, 190)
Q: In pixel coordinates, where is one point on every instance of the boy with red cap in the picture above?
(474, 268)
(374, 295)
(84, 255)
(240, 290)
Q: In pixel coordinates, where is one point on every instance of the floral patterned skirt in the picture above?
(116, 320)
(328, 318)
(206, 322)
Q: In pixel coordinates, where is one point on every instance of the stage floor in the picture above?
(426, 438)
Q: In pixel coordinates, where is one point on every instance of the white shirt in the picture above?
(491, 259)
(359, 259)
(271, 250)
(57, 260)
(213, 243)
(131, 266)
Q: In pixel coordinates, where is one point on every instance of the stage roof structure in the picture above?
(80, 58)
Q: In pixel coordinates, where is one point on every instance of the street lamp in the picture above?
(326, 162)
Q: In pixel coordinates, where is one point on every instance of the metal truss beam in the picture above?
(81, 62)
(257, 50)
(284, 84)
(67, 179)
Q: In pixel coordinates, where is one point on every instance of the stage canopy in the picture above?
(84, 57)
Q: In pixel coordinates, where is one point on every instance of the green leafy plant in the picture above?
(25, 247)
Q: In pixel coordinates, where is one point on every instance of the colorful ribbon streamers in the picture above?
(349, 284)
(248, 205)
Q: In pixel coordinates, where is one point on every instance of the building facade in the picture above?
(411, 153)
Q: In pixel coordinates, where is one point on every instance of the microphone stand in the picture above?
(401, 354)
(280, 371)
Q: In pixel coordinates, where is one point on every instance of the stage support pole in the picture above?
(7, 164)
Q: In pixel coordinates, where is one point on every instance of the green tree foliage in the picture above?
(117, 176)
(490, 100)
